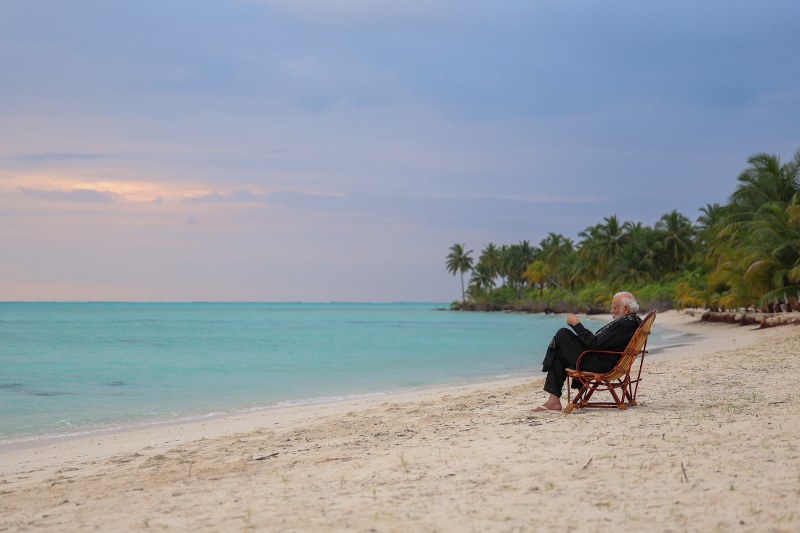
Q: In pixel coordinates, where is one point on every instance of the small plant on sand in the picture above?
(755, 397)
(248, 522)
(403, 462)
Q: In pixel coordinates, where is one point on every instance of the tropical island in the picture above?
(743, 255)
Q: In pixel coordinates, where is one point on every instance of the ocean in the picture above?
(74, 368)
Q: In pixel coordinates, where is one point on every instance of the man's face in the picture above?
(617, 309)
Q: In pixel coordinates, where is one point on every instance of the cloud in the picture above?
(59, 157)
(238, 197)
(440, 122)
(74, 195)
(284, 198)
(305, 200)
(525, 198)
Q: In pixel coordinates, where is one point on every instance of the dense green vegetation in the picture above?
(745, 253)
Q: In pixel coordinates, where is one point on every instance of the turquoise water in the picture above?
(70, 368)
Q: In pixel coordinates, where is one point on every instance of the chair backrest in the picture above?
(636, 346)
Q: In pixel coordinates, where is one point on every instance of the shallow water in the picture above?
(70, 368)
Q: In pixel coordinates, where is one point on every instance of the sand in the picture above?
(713, 445)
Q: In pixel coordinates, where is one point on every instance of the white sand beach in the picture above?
(712, 446)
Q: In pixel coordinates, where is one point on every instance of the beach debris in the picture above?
(763, 320)
(685, 477)
(587, 464)
(262, 457)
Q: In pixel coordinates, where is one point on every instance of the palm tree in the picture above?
(640, 258)
(754, 253)
(708, 225)
(738, 254)
(629, 267)
(599, 245)
(481, 279)
(677, 236)
(711, 218)
(588, 268)
(536, 274)
(555, 251)
(612, 238)
(515, 259)
(491, 258)
(710, 246)
(459, 261)
(772, 250)
(766, 180)
(527, 253)
(727, 285)
(692, 291)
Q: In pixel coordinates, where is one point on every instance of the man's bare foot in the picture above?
(552, 404)
(542, 409)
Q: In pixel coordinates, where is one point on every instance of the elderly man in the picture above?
(566, 346)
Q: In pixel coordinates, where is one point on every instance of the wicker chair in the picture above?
(618, 380)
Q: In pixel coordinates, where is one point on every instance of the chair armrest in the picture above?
(603, 352)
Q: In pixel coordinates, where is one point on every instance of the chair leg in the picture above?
(590, 388)
(620, 404)
(620, 390)
(577, 402)
(628, 393)
(569, 390)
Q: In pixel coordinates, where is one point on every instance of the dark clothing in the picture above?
(566, 346)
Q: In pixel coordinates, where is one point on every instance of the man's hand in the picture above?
(572, 319)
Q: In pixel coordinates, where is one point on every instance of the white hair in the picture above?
(626, 299)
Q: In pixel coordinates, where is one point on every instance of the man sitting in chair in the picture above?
(566, 346)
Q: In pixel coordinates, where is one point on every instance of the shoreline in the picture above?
(445, 458)
(12, 443)
(350, 401)
(686, 324)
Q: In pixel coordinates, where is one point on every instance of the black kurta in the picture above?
(566, 346)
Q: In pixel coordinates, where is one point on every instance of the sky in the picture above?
(312, 150)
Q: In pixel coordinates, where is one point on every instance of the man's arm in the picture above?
(614, 337)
